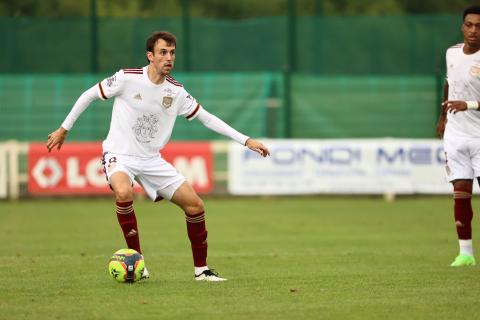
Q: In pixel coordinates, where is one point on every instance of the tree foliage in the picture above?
(223, 9)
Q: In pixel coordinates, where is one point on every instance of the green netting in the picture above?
(330, 45)
(344, 107)
(239, 46)
(44, 45)
(33, 106)
(322, 107)
(375, 45)
(122, 41)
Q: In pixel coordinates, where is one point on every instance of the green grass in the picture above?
(285, 258)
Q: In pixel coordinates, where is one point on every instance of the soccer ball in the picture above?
(126, 265)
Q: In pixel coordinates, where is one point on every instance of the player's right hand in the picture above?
(56, 139)
(453, 106)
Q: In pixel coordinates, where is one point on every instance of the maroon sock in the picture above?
(128, 223)
(197, 233)
(463, 213)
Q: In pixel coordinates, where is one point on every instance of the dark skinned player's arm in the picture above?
(442, 120)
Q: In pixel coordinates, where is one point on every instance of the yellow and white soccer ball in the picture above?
(126, 265)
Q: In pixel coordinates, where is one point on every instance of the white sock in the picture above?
(199, 270)
(466, 247)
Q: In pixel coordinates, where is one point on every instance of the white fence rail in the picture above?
(11, 178)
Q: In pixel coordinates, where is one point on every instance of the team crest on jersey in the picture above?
(167, 101)
(475, 70)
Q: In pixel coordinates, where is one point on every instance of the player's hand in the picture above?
(454, 106)
(56, 139)
(257, 147)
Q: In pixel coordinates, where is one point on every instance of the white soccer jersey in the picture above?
(143, 113)
(463, 76)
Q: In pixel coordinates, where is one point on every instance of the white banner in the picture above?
(340, 166)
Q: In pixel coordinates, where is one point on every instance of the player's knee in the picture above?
(461, 185)
(123, 194)
(194, 207)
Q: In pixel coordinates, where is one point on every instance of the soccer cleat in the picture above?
(208, 275)
(145, 274)
(463, 260)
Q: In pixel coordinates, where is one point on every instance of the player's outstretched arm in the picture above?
(257, 147)
(216, 124)
(56, 139)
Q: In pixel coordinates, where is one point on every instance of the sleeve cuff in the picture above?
(67, 126)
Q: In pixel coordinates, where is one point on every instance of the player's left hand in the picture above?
(257, 147)
(440, 130)
(452, 106)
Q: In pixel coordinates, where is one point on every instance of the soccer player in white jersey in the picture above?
(147, 102)
(459, 124)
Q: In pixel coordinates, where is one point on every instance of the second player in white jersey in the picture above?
(459, 125)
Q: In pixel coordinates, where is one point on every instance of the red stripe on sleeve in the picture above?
(194, 112)
(101, 91)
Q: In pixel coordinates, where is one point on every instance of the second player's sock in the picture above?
(463, 213)
(466, 247)
(128, 223)
(197, 233)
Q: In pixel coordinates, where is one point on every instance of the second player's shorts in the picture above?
(157, 177)
(462, 157)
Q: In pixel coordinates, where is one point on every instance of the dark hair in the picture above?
(165, 35)
(472, 9)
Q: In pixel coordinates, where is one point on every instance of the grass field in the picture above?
(285, 258)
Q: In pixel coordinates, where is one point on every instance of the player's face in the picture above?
(471, 29)
(162, 57)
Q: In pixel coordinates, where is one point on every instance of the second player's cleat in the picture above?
(208, 275)
(463, 260)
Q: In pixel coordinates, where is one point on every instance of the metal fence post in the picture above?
(291, 65)
(93, 37)
(186, 26)
(272, 108)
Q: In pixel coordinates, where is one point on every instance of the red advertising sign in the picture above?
(77, 167)
(194, 160)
